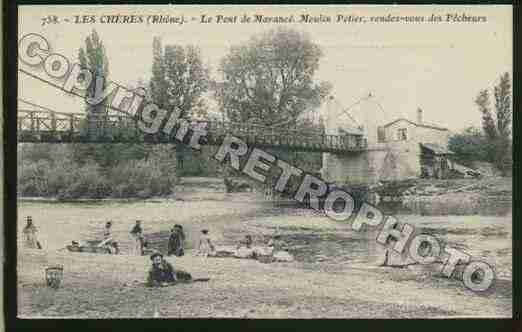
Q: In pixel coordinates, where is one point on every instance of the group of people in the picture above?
(175, 246)
(161, 273)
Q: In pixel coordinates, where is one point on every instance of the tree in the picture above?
(269, 79)
(94, 58)
(498, 131)
(158, 83)
(178, 83)
(484, 105)
(503, 112)
(179, 79)
(503, 105)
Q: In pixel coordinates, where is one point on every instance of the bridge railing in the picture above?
(74, 124)
(263, 135)
(44, 122)
(48, 121)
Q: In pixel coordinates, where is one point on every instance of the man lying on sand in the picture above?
(161, 273)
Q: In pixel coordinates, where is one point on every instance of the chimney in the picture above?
(419, 115)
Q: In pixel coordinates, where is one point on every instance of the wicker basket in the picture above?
(54, 276)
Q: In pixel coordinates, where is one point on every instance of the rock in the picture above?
(283, 256)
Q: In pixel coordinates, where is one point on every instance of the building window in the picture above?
(402, 134)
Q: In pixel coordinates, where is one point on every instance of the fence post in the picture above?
(53, 121)
(31, 116)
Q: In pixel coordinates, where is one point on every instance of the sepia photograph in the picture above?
(264, 161)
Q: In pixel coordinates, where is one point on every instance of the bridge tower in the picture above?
(363, 117)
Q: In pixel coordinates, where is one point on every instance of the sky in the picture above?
(439, 67)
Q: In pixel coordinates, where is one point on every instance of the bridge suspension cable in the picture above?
(36, 105)
(62, 89)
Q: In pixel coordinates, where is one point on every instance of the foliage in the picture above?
(141, 178)
(269, 79)
(94, 57)
(50, 170)
(502, 94)
(179, 79)
(488, 123)
(497, 129)
(470, 145)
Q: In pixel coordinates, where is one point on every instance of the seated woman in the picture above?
(31, 240)
(246, 242)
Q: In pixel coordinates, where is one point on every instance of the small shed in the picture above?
(435, 161)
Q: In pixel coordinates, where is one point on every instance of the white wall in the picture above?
(418, 134)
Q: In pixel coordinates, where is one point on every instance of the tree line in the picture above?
(267, 80)
(493, 142)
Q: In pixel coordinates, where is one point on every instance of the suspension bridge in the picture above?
(48, 126)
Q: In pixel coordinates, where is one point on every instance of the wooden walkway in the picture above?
(56, 127)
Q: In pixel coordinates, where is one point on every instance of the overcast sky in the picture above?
(438, 67)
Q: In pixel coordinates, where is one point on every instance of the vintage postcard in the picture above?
(264, 161)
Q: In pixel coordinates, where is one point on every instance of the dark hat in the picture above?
(204, 231)
(157, 253)
(29, 218)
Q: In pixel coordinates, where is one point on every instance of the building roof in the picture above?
(351, 131)
(426, 125)
(436, 149)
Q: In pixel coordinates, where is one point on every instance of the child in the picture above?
(107, 237)
(205, 245)
(180, 250)
(30, 231)
(137, 233)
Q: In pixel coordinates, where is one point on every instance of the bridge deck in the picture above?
(55, 127)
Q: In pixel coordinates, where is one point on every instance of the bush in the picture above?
(54, 172)
(140, 178)
(33, 178)
(470, 146)
(86, 181)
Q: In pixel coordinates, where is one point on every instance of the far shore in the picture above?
(91, 200)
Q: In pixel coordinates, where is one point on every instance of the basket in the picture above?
(54, 276)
